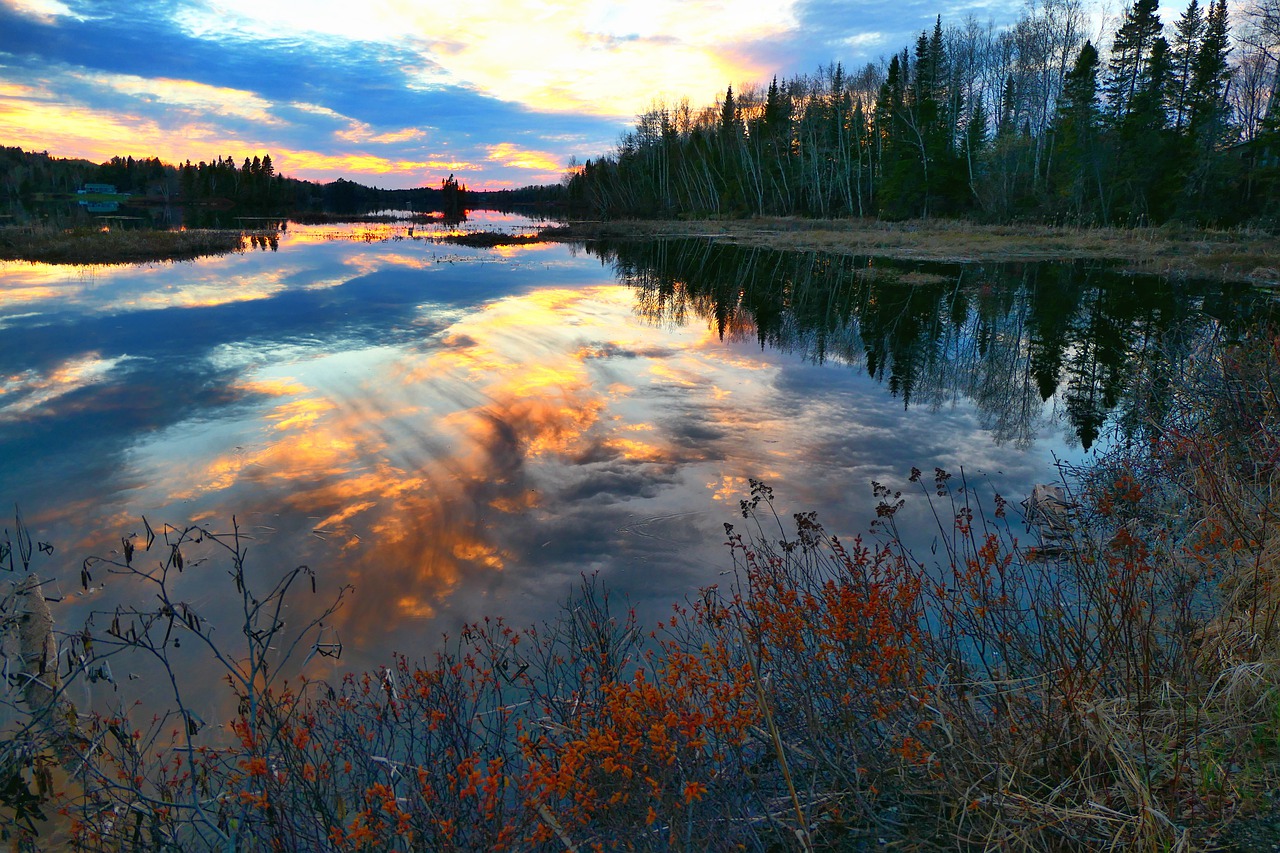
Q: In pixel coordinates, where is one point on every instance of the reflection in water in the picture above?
(1006, 337)
(465, 434)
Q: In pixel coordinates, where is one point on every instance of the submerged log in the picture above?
(1048, 510)
(30, 656)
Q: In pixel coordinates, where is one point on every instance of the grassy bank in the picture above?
(1252, 256)
(112, 246)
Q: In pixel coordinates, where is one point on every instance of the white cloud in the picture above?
(581, 56)
(862, 41)
(200, 98)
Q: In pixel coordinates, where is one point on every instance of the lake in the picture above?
(465, 432)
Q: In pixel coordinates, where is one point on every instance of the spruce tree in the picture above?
(728, 113)
(1146, 166)
(1130, 53)
(1209, 114)
(1076, 174)
(1207, 95)
(1188, 35)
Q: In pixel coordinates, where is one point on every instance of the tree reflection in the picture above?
(1029, 344)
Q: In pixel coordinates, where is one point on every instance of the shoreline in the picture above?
(1251, 257)
(1241, 256)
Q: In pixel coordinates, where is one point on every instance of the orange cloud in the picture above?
(311, 162)
(31, 119)
(17, 90)
(522, 158)
(78, 130)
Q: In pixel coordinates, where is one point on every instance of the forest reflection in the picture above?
(1092, 342)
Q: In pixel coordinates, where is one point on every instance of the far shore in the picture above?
(1251, 256)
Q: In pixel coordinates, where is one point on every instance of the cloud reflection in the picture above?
(21, 393)
(453, 439)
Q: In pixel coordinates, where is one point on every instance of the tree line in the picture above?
(1031, 121)
(254, 184)
(25, 175)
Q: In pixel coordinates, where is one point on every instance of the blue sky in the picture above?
(394, 93)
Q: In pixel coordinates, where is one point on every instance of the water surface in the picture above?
(460, 432)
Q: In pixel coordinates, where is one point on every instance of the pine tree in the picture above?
(728, 114)
(1207, 95)
(1130, 53)
(1077, 156)
(1188, 35)
(1146, 162)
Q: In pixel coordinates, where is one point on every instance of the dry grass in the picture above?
(113, 246)
(1239, 255)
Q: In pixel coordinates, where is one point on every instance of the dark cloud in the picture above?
(616, 481)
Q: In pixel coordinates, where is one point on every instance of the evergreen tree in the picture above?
(1007, 123)
(975, 143)
(1146, 164)
(1130, 54)
(1209, 120)
(1207, 92)
(1076, 171)
(1188, 35)
(728, 114)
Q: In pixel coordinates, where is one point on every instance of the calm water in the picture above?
(465, 432)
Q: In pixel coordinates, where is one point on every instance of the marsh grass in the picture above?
(1108, 682)
(98, 245)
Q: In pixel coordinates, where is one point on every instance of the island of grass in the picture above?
(491, 239)
(95, 245)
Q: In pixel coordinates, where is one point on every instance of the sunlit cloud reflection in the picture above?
(453, 439)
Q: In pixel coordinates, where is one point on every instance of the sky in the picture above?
(402, 93)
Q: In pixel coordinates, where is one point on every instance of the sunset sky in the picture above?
(399, 94)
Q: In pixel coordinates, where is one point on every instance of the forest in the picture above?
(27, 175)
(1034, 122)
(255, 184)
